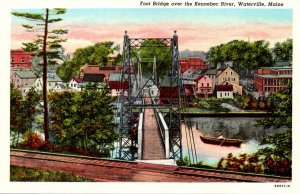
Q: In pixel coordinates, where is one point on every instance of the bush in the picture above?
(32, 141)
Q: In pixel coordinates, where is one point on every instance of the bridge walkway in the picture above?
(153, 147)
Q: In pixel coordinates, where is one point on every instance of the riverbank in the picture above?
(202, 113)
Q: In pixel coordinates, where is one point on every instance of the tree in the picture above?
(30, 47)
(97, 54)
(50, 41)
(22, 112)
(162, 53)
(281, 117)
(244, 54)
(283, 51)
(83, 119)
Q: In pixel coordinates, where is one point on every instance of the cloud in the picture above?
(194, 36)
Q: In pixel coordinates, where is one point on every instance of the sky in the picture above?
(197, 29)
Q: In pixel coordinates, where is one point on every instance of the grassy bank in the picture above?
(29, 174)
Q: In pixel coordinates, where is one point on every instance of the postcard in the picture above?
(151, 96)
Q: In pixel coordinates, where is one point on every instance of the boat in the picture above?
(221, 141)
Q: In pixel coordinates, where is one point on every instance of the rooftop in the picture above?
(224, 88)
(26, 74)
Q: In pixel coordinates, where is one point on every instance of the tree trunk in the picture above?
(46, 123)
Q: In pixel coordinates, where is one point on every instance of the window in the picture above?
(230, 73)
(220, 94)
(226, 73)
(23, 60)
(12, 60)
(202, 84)
(49, 84)
(207, 84)
(225, 94)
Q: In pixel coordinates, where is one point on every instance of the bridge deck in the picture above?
(153, 147)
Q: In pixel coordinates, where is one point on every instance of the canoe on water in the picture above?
(221, 141)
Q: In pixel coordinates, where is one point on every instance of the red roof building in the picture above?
(21, 59)
(192, 62)
(97, 72)
(272, 79)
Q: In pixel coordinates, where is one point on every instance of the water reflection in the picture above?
(231, 127)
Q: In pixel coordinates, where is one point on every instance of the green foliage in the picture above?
(83, 119)
(97, 54)
(283, 51)
(38, 20)
(281, 117)
(212, 104)
(243, 54)
(29, 174)
(30, 47)
(22, 112)
(161, 52)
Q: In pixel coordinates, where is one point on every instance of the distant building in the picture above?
(224, 91)
(212, 74)
(168, 92)
(272, 79)
(20, 59)
(204, 86)
(23, 80)
(52, 81)
(116, 85)
(226, 76)
(74, 83)
(192, 62)
(96, 73)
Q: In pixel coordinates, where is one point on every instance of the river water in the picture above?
(230, 127)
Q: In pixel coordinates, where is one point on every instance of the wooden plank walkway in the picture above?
(153, 147)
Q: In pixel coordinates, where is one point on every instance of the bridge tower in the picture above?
(131, 99)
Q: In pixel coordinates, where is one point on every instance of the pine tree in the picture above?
(49, 43)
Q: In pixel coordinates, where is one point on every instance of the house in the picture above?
(226, 75)
(224, 91)
(272, 79)
(23, 80)
(96, 73)
(73, 83)
(21, 59)
(192, 62)
(212, 74)
(115, 84)
(52, 80)
(168, 91)
(204, 86)
(59, 88)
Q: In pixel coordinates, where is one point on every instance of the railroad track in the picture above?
(126, 171)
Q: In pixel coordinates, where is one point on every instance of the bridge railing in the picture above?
(140, 132)
(164, 131)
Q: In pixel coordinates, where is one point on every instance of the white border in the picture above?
(8, 187)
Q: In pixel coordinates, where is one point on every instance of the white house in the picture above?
(224, 91)
(74, 83)
(52, 80)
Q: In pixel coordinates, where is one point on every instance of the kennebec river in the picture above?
(230, 127)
